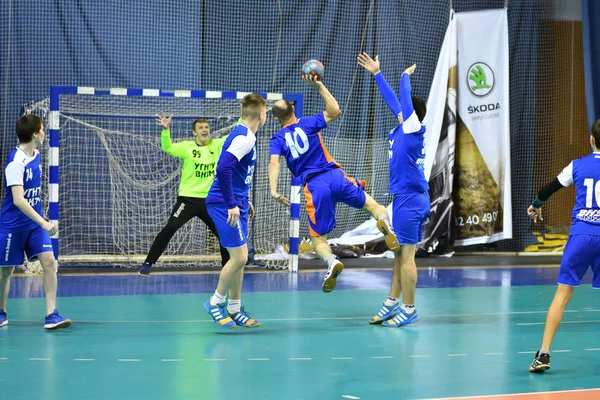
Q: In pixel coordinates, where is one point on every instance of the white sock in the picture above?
(390, 301)
(233, 306)
(408, 308)
(330, 259)
(218, 298)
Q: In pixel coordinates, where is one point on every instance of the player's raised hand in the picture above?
(233, 215)
(410, 69)
(364, 60)
(535, 213)
(313, 81)
(162, 120)
(281, 199)
(49, 227)
(251, 212)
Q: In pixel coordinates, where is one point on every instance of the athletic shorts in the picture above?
(230, 237)
(15, 245)
(409, 213)
(324, 191)
(581, 252)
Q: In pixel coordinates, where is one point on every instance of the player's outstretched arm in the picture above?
(172, 149)
(22, 204)
(564, 179)
(274, 167)
(224, 171)
(332, 108)
(365, 61)
(411, 122)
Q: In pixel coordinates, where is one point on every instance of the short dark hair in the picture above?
(200, 121)
(282, 110)
(596, 132)
(252, 104)
(420, 107)
(27, 125)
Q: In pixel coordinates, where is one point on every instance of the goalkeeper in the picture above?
(199, 158)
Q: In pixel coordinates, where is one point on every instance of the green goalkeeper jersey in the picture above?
(199, 163)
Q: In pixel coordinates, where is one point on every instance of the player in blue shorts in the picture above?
(410, 189)
(583, 246)
(23, 229)
(325, 183)
(229, 208)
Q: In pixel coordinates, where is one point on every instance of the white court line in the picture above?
(382, 357)
(584, 349)
(128, 360)
(561, 351)
(527, 352)
(342, 358)
(3, 359)
(215, 359)
(457, 355)
(300, 359)
(171, 360)
(493, 354)
(198, 321)
(564, 322)
(258, 359)
(347, 396)
(84, 359)
(39, 359)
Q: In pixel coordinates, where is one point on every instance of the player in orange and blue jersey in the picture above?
(325, 183)
(411, 202)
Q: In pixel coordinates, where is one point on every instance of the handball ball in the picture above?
(313, 67)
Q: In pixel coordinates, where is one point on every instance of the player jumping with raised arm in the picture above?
(583, 246)
(229, 208)
(199, 158)
(411, 202)
(23, 229)
(325, 183)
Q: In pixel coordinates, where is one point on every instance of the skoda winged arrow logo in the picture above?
(481, 79)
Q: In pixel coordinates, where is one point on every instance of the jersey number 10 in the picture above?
(591, 191)
(295, 148)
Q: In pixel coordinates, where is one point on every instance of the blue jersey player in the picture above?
(583, 246)
(228, 206)
(410, 189)
(23, 229)
(325, 183)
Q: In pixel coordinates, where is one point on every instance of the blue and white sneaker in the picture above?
(386, 313)
(144, 271)
(219, 314)
(330, 281)
(55, 321)
(242, 318)
(3, 318)
(402, 318)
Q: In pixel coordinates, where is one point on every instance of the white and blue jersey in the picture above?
(406, 153)
(585, 174)
(235, 169)
(582, 250)
(20, 235)
(231, 186)
(21, 170)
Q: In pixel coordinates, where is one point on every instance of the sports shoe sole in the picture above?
(540, 368)
(63, 324)
(144, 275)
(329, 283)
(4, 323)
(380, 321)
(391, 241)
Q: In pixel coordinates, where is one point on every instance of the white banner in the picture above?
(483, 189)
